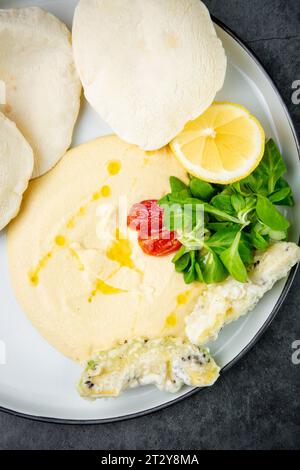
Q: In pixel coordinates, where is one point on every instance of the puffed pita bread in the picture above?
(42, 85)
(2, 92)
(148, 66)
(16, 165)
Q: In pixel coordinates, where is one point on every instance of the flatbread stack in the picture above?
(39, 100)
(42, 86)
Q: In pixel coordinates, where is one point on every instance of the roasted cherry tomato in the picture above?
(161, 244)
(146, 217)
(155, 240)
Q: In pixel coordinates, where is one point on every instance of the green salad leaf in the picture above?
(225, 225)
(288, 201)
(257, 240)
(272, 165)
(233, 262)
(177, 185)
(212, 268)
(269, 215)
(201, 189)
(223, 203)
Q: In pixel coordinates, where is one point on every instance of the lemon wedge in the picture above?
(223, 145)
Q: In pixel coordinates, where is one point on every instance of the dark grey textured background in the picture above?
(256, 405)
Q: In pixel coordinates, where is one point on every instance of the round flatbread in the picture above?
(42, 85)
(16, 165)
(147, 66)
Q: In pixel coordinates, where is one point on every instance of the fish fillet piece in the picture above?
(169, 363)
(224, 303)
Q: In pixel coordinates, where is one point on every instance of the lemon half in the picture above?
(223, 145)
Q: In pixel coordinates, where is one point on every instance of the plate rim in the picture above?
(260, 332)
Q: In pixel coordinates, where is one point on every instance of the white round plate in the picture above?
(37, 381)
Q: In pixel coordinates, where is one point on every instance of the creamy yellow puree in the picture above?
(82, 283)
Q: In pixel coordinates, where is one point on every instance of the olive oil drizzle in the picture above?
(104, 288)
(182, 299)
(60, 241)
